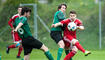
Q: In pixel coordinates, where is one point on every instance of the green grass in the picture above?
(39, 55)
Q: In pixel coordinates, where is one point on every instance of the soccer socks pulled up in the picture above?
(77, 44)
(12, 46)
(20, 50)
(60, 50)
(49, 56)
(68, 56)
(67, 52)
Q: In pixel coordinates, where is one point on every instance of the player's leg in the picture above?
(67, 51)
(60, 50)
(9, 47)
(27, 51)
(19, 51)
(27, 48)
(67, 47)
(47, 53)
(78, 45)
(71, 54)
(26, 57)
(19, 45)
(37, 44)
(57, 37)
(15, 38)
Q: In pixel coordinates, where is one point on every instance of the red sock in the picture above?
(20, 50)
(68, 56)
(12, 46)
(77, 44)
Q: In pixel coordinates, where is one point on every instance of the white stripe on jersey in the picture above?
(15, 15)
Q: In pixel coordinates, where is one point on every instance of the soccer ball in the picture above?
(72, 26)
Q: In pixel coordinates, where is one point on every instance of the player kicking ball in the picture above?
(70, 35)
(16, 38)
(28, 41)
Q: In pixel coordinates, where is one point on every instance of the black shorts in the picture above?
(29, 43)
(56, 36)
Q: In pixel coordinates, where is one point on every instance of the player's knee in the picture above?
(75, 49)
(74, 41)
(61, 44)
(26, 57)
(44, 48)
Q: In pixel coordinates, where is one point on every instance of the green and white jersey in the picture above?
(24, 31)
(57, 18)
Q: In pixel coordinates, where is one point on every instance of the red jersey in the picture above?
(12, 20)
(68, 33)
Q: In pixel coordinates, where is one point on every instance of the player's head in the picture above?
(72, 14)
(26, 11)
(19, 9)
(62, 7)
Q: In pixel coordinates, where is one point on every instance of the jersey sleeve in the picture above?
(79, 23)
(10, 23)
(23, 20)
(61, 16)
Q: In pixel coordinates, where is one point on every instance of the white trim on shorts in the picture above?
(70, 41)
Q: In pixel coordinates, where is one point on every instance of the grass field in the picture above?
(39, 55)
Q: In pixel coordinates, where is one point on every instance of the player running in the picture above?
(70, 36)
(16, 38)
(28, 41)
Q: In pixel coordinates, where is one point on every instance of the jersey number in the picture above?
(21, 31)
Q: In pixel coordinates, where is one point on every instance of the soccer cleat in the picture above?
(87, 53)
(18, 56)
(7, 51)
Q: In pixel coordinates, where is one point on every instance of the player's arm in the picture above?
(57, 24)
(18, 26)
(10, 23)
(80, 27)
(62, 23)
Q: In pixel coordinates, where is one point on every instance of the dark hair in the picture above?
(25, 9)
(20, 7)
(72, 12)
(59, 6)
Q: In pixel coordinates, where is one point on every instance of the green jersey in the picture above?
(14, 24)
(24, 31)
(57, 18)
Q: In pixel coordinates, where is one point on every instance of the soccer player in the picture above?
(56, 33)
(70, 36)
(16, 38)
(28, 41)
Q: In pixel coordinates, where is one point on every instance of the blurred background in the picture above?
(90, 12)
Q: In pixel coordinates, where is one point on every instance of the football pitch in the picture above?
(39, 55)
